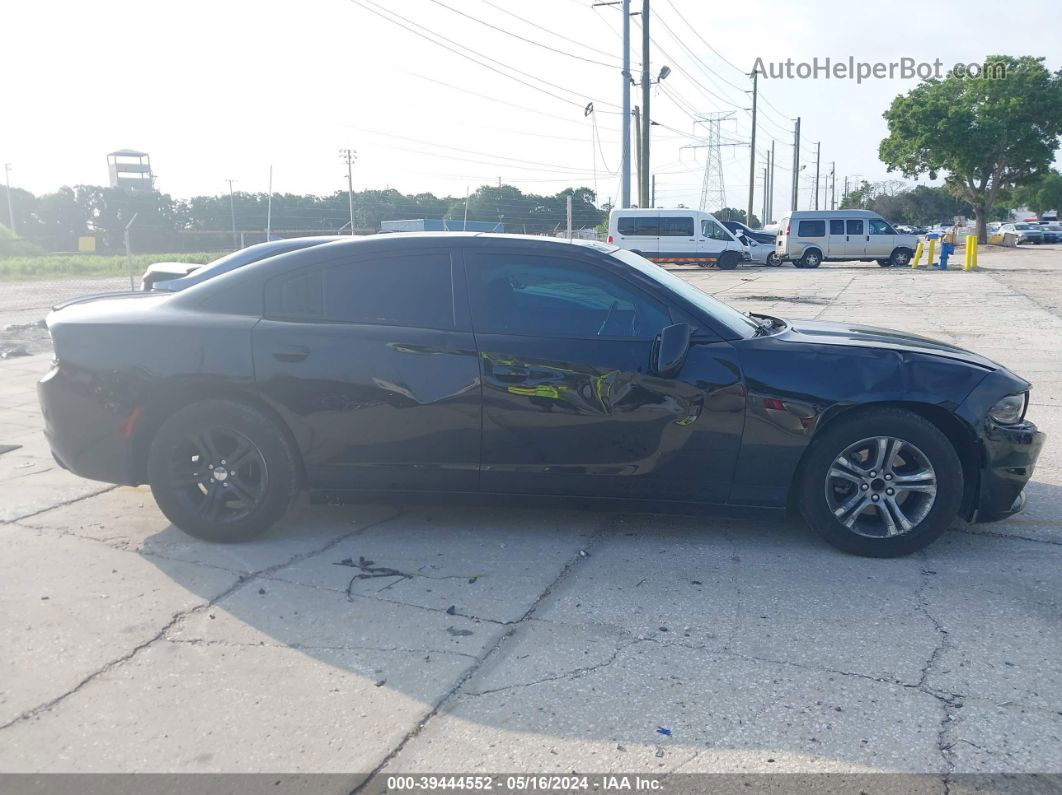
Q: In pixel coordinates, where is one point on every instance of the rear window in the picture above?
(811, 229)
(639, 226)
(837, 227)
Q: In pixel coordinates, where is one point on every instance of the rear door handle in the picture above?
(291, 353)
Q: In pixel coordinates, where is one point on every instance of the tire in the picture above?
(773, 260)
(926, 458)
(812, 258)
(901, 257)
(885, 263)
(234, 501)
(728, 260)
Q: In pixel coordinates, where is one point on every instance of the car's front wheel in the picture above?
(222, 470)
(881, 483)
(773, 260)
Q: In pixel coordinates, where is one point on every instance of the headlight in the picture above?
(1009, 410)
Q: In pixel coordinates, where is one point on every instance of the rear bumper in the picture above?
(1010, 456)
(88, 427)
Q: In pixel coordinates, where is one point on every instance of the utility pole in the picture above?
(10, 208)
(232, 212)
(833, 184)
(844, 195)
(652, 195)
(644, 185)
(625, 160)
(752, 152)
(766, 176)
(796, 166)
(350, 156)
(269, 207)
(818, 157)
(770, 201)
(638, 150)
(464, 225)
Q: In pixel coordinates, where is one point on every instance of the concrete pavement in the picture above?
(543, 640)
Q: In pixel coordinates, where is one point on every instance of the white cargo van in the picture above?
(807, 237)
(676, 236)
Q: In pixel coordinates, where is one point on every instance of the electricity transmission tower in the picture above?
(713, 189)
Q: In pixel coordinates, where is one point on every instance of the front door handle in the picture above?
(291, 353)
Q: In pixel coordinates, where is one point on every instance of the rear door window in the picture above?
(676, 226)
(414, 290)
(837, 227)
(855, 227)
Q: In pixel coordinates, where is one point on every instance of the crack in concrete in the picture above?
(950, 703)
(1011, 536)
(572, 674)
(241, 582)
(473, 669)
(315, 647)
(58, 505)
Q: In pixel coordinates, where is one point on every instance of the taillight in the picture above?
(610, 238)
(787, 229)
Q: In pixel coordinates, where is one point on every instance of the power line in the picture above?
(406, 23)
(521, 38)
(547, 30)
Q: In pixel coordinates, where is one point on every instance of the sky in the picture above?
(224, 89)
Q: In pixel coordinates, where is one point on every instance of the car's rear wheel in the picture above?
(773, 260)
(812, 259)
(881, 483)
(728, 260)
(222, 470)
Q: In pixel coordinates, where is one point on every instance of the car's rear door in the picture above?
(856, 232)
(372, 362)
(837, 238)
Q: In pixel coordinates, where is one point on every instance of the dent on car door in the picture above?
(570, 406)
(374, 368)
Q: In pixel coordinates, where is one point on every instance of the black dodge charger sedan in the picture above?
(524, 368)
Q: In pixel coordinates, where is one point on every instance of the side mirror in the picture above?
(669, 350)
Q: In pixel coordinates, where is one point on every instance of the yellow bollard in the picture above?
(932, 252)
(973, 264)
(917, 255)
(967, 259)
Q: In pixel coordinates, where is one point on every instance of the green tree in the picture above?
(986, 135)
(1042, 195)
(734, 214)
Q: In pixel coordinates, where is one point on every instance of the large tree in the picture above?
(986, 135)
(1042, 195)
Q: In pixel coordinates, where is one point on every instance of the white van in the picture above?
(807, 237)
(676, 236)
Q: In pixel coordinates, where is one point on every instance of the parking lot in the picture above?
(433, 638)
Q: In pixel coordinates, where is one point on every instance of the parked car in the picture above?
(758, 244)
(1025, 233)
(528, 368)
(1052, 233)
(678, 236)
(174, 276)
(808, 237)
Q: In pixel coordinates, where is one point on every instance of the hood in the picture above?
(855, 335)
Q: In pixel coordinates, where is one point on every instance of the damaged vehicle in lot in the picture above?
(472, 364)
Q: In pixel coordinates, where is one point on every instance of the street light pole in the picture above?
(646, 123)
(752, 153)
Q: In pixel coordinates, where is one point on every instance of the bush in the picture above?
(11, 246)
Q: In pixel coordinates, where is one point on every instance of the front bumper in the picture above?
(1010, 456)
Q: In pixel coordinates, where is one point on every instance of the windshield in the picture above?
(1022, 226)
(741, 325)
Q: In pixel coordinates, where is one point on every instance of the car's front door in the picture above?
(570, 406)
(856, 231)
(373, 364)
(881, 238)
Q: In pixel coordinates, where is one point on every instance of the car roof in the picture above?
(834, 214)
